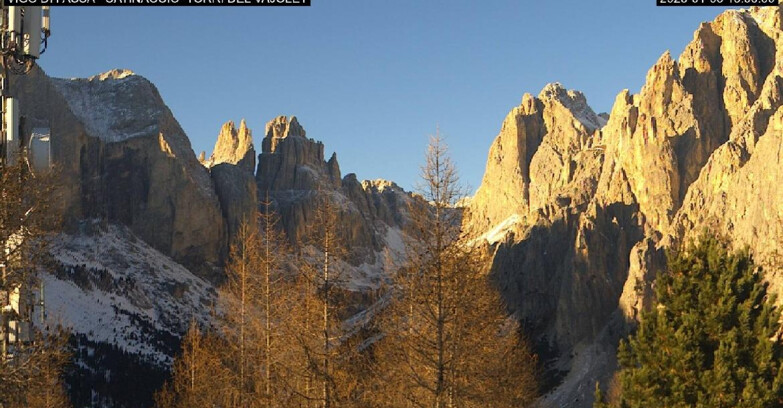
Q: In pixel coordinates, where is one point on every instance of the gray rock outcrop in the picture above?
(293, 172)
(234, 146)
(122, 156)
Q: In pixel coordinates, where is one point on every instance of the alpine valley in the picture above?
(577, 209)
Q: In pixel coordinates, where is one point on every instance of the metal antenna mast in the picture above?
(24, 31)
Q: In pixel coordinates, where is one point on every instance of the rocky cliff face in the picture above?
(293, 176)
(234, 146)
(549, 151)
(292, 172)
(737, 193)
(580, 212)
(291, 162)
(149, 224)
(123, 156)
(232, 165)
(533, 161)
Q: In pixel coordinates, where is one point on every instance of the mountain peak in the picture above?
(114, 74)
(282, 127)
(574, 101)
(380, 185)
(551, 89)
(118, 105)
(234, 146)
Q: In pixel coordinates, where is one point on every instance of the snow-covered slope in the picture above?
(114, 288)
(499, 232)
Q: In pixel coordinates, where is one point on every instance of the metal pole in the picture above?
(14, 48)
(3, 149)
(4, 144)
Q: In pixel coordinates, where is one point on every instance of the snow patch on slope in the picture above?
(368, 276)
(498, 232)
(380, 185)
(114, 288)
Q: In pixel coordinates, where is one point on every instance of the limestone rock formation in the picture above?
(234, 146)
(504, 190)
(590, 203)
(646, 260)
(289, 161)
(293, 172)
(238, 195)
(128, 174)
(125, 158)
(538, 152)
(232, 167)
(291, 169)
(738, 194)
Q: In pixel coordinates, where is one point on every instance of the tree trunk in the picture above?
(326, 324)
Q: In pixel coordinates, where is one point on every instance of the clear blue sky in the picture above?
(371, 78)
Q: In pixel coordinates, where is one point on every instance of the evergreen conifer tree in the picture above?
(713, 340)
